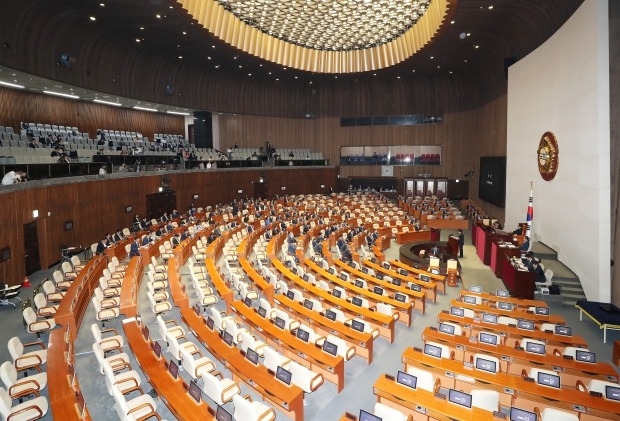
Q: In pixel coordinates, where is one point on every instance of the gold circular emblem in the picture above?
(547, 156)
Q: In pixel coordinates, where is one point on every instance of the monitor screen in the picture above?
(359, 283)
(486, 365)
(502, 293)
(406, 379)
(283, 375)
(251, 355)
(612, 393)
(385, 265)
(435, 271)
(294, 270)
(357, 325)
(517, 414)
(400, 297)
(563, 330)
(525, 324)
(227, 338)
(145, 332)
(457, 311)
(585, 356)
(247, 301)
(331, 271)
(425, 278)
(330, 348)
(367, 416)
(290, 295)
(459, 398)
(379, 276)
(262, 311)
(357, 301)
(288, 263)
(377, 290)
(157, 349)
(487, 338)
(303, 334)
(489, 318)
(305, 277)
(210, 323)
(469, 299)
(415, 287)
(173, 369)
(535, 348)
(222, 415)
(336, 293)
(344, 276)
(504, 305)
(364, 270)
(547, 379)
(542, 310)
(330, 315)
(81, 403)
(308, 304)
(197, 309)
(403, 272)
(194, 391)
(373, 260)
(475, 288)
(396, 282)
(280, 322)
(446, 328)
(432, 350)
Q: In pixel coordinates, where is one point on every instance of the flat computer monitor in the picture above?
(302, 334)
(373, 259)
(504, 293)
(386, 265)
(81, 402)
(251, 355)
(357, 325)
(425, 278)
(403, 272)
(194, 391)
(518, 414)
(280, 322)
(377, 290)
(357, 301)
(262, 311)
(535, 348)
(308, 304)
(400, 297)
(457, 311)
(294, 270)
(585, 356)
(145, 332)
(415, 287)
(446, 328)
(544, 311)
(290, 295)
(469, 299)
(331, 271)
(173, 369)
(502, 305)
(379, 276)
(367, 416)
(459, 398)
(283, 375)
(364, 269)
(486, 365)
(612, 393)
(489, 318)
(305, 277)
(197, 309)
(406, 379)
(487, 338)
(288, 263)
(336, 293)
(475, 288)
(396, 282)
(344, 276)
(563, 330)
(359, 283)
(222, 415)
(432, 350)
(330, 348)
(331, 315)
(547, 379)
(228, 338)
(247, 301)
(525, 324)
(157, 349)
(210, 323)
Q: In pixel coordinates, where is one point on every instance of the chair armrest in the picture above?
(109, 330)
(293, 324)
(248, 398)
(135, 386)
(270, 414)
(581, 386)
(230, 387)
(147, 416)
(35, 365)
(34, 388)
(557, 352)
(217, 374)
(118, 364)
(316, 382)
(203, 364)
(15, 414)
(320, 340)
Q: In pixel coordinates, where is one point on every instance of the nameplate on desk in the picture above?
(449, 374)
(579, 408)
(421, 409)
(509, 391)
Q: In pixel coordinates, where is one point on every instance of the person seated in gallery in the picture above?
(135, 248)
(435, 250)
(539, 274)
(102, 244)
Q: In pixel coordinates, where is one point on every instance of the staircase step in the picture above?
(566, 282)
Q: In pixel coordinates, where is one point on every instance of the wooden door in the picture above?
(260, 190)
(31, 248)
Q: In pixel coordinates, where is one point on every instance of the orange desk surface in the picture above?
(517, 313)
(440, 280)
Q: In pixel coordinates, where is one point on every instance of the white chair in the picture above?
(32, 409)
(304, 378)
(387, 413)
(108, 290)
(25, 361)
(106, 302)
(126, 382)
(206, 297)
(104, 314)
(595, 385)
(114, 342)
(344, 350)
(246, 292)
(174, 346)
(505, 320)
(195, 366)
(157, 267)
(313, 337)
(425, 379)
(248, 410)
(68, 271)
(24, 387)
(61, 283)
(289, 324)
(159, 294)
(485, 399)
(248, 340)
(552, 414)
(158, 284)
(220, 319)
(543, 287)
(219, 388)
(43, 310)
(387, 309)
(176, 330)
(37, 326)
(52, 295)
(235, 331)
(273, 359)
(158, 307)
(139, 408)
(117, 361)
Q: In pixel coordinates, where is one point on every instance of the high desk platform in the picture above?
(605, 318)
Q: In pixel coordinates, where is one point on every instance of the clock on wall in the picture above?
(547, 156)
(387, 170)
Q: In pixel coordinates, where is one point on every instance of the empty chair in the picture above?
(158, 294)
(174, 346)
(104, 302)
(220, 319)
(24, 387)
(206, 297)
(157, 268)
(505, 320)
(247, 409)
(52, 295)
(385, 412)
(485, 399)
(595, 385)
(108, 291)
(158, 307)
(344, 350)
(32, 409)
(304, 378)
(24, 361)
(156, 283)
(490, 358)
(104, 314)
(273, 359)
(174, 330)
(235, 330)
(219, 388)
(248, 340)
(113, 342)
(289, 324)
(43, 310)
(139, 408)
(61, 283)
(425, 379)
(552, 414)
(194, 362)
(127, 381)
(116, 362)
(387, 309)
(37, 326)
(246, 292)
(67, 270)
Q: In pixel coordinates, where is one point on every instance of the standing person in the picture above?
(461, 242)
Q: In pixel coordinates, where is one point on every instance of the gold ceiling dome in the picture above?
(324, 36)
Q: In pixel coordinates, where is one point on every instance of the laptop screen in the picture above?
(457, 311)
(251, 355)
(446, 328)
(612, 393)
(194, 391)
(157, 349)
(535, 348)
(344, 276)
(305, 277)
(210, 323)
(308, 304)
(330, 348)
(379, 276)
(386, 265)
(517, 414)
(547, 379)
(415, 287)
(396, 282)
(364, 270)
(331, 315)
(425, 278)
(283, 375)
(406, 379)
(331, 271)
(377, 290)
(486, 365)
(222, 415)
(432, 350)
(227, 338)
(504, 305)
(280, 322)
(303, 334)
(489, 318)
(367, 416)
(403, 272)
(247, 301)
(400, 297)
(290, 295)
(197, 309)
(173, 369)
(459, 398)
(145, 332)
(585, 356)
(359, 283)
(262, 311)
(542, 310)
(357, 325)
(563, 330)
(435, 271)
(487, 338)
(336, 293)
(502, 293)
(525, 324)
(469, 299)
(357, 301)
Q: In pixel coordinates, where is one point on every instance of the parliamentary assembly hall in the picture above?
(257, 210)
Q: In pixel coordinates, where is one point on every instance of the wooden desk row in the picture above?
(440, 280)
(430, 288)
(480, 309)
(492, 299)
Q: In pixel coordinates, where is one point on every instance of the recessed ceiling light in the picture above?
(137, 39)
(145, 109)
(142, 28)
(397, 77)
(452, 22)
(208, 57)
(99, 101)
(295, 77)
(491, 7)
(102, 4)
(249, 74)
(184, 33)
(93, 18)
(11, 85)
(468, 34)
(177, 113)
(61, 94)
(180, 56)
(277, 78)
(158, 16)
(432, 57)
(217, 66)
(240, 66)
(213, 46)
(476, 46)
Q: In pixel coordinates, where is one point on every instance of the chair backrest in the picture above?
(272, 358)
(94, 328)
(211, 387)
(48, 287)
(40, 301)
(121, 404)
(599, 386)
(66, 267)
(385, 412)
(16, 348)
(505, 320)
(485, 399)
(552, 414)
(75, 260)
(244, 410)
(8, 374)
(29, 315)
(548, 275)
(425, 379)
(5, 403)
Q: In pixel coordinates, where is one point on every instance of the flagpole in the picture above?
(530, 211)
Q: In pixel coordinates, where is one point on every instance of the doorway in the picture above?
(31, 248)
